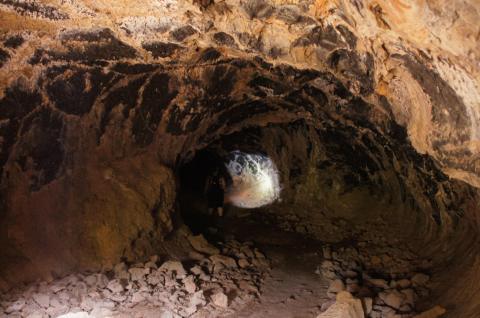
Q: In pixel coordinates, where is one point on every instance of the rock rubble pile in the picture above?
(388, 280)
(217, 282)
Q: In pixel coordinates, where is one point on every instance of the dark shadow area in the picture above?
(192, 194)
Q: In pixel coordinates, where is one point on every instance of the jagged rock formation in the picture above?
(369, 108)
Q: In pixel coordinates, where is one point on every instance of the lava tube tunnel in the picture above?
(254, 158)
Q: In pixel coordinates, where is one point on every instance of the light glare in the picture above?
(255, 180)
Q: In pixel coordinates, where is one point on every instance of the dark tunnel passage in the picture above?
(361, 212)
(192, 194)
(348, 190)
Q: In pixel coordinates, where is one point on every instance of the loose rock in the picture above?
(220, 300)
(200, 244)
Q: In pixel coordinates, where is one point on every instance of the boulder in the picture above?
(121, 271)
(197, 299)
(138, 273)
(90, 280)
(392, 298)
(115, 287)
(377, 282)
(200, 244)
(15, 306)
(345, 306)
(155, 278)
(243, 263)
(336, 286)
(327, 252)
(175, 268)
(410, 296)
(189, 284)
(43, 300)
(221, 261)
(367, 304)
(220, 299)
(420, 280)
(137, 297)
(403, 283)
(151, 265)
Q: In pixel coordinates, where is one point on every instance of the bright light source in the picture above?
(255, 180)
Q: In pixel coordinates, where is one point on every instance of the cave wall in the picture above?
(99, 102)
(342, 175)
(359, 183)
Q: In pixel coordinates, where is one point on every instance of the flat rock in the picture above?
(137, 297)
(121, 271)
(350, 274)
(410, 296)
(258, 254)
(154, 259)
(43, 300)
(151, 265)
(189, 284)
(420, 279)
(174, 267)
(220, 261)
(392, 298)
(243, 263)
(15, 306)
(200, 244)
(336, 286)
(90, 280)
(198, 299)
(326, 305)
(403, 283)
(100, 312)
(138, 273)
(155, 278)
(367, 304)
(377, 282)
(115, 287)
(353, 288)
(345, 306)
(220, 299)
(102, 280)
(327, 252)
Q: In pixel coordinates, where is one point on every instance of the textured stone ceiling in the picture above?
(366, 107)
(423, 56)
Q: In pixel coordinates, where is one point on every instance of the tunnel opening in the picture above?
(343, 192)
(255, 180)
(248, 220)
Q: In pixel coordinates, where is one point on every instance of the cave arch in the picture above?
(347, 167)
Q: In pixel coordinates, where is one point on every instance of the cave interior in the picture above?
(361, 200)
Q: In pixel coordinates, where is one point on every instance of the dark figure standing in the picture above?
(215, 190)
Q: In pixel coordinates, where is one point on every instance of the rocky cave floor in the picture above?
(245, 269)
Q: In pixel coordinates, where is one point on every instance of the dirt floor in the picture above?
(306, 275)
(239, 265)
(293, 289)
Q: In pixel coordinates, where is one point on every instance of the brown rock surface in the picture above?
(371, 109)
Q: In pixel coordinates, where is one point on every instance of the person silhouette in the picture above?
(215, 191)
